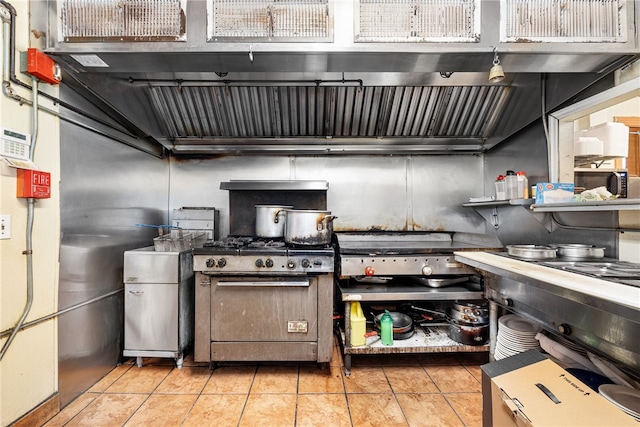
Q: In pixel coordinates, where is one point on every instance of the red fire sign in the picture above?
(34, 184)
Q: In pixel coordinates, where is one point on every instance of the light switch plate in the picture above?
(5, 226)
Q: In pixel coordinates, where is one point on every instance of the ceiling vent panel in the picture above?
(214, 112)
(418, 21)
(121, 20)
(563, 21)
(264, 21)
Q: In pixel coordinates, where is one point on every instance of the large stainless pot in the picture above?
(308, 227)
(270, 220)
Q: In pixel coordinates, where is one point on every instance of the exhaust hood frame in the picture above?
(123, 88)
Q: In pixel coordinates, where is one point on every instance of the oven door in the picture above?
(259, 309)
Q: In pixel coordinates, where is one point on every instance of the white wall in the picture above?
(28, 371)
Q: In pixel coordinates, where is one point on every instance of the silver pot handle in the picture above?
(322, 224)
(276, 218)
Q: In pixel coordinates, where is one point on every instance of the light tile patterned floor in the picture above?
(396, 390)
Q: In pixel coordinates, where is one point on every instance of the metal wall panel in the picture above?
(106, 188)
(393, 193)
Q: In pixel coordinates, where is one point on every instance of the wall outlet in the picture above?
(5, 226)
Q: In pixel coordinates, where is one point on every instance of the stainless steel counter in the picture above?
(601, 316)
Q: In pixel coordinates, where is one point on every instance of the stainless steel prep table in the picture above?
(600, 315)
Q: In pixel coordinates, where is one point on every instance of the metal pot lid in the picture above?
(579, 251)
(532, 251)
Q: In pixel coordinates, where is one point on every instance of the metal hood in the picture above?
(196, 94)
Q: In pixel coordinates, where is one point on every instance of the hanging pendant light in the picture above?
(496, 73)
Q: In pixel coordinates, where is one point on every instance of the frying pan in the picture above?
(402, 325)
(464, 317)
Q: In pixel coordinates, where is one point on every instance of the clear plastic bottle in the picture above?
(386, 328)
(523, 184)
(511, 184)
(501, 189)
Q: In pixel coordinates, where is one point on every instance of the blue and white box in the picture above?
(555, 192)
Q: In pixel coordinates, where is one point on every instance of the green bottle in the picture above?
(386, 328)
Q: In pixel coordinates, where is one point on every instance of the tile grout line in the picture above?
(184, 419)
(148, 396)
(246, 400)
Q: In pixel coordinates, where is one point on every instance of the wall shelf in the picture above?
(587, 161)
(601, 205)
(512, 202)
(544, 212)
(493, 218)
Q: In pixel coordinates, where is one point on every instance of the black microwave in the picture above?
(615, 180)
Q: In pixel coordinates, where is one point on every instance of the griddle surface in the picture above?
(407, 248)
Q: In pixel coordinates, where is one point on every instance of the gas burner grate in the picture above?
(267, 244)
(230, 242)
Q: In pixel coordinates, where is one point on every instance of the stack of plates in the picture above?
(569, 344)
(515, 335)
(623, 397)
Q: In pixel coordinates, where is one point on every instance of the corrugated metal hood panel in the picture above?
(291, 112)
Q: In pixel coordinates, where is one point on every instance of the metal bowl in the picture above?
(531, 251)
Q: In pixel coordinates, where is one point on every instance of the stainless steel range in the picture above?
(258, 300)
(264, 300)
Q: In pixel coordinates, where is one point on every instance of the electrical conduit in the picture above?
(29, 232)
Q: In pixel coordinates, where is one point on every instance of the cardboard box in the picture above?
(530, 390)
(554, 192)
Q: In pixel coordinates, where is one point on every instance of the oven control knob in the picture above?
(305, 263)
(369, 271)
(211, 263)
(426, 270)
(222, 262)
(564, 329)
(291, 264)
(259, 263)
(269, 262)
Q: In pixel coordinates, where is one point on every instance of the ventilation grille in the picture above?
(121, 20)
(418, 21)
(563, 20)
(281, 112)
(284, 20)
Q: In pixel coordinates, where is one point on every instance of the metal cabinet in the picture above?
(158, 304)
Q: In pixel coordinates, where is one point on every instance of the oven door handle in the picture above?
(248, 283)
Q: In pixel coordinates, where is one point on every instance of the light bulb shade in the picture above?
(496, 74)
